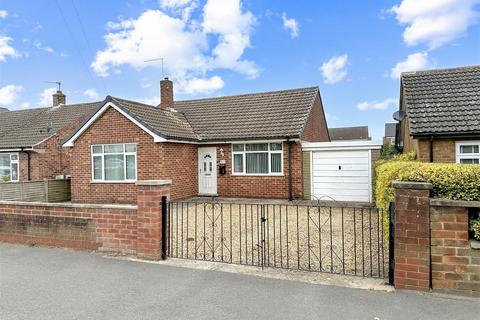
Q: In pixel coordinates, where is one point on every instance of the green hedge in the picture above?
(450, 181)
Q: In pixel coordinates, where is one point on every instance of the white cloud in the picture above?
(91, 94)
(200, 85)
(182, 7)
(291, 25)
(377, 105)
(233, 26)
(414, 62)
(3, 14)
(334, 69)
(40, 46)
(435, 22)
(191, 48)
(46, 99)
(9, 94)
(6, 49)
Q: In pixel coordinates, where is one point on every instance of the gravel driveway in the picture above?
(328, 239)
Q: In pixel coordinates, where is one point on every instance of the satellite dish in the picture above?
(399, 115)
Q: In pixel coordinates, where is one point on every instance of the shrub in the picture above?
(450, 181)
(475, 228)
(389, 151)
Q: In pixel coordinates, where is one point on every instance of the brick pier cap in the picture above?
(412, 185)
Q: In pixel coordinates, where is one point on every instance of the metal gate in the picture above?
(340, 240)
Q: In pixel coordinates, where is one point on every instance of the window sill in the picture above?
(257, 175)
(113, 182)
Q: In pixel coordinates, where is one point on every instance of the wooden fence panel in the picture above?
(36, 191)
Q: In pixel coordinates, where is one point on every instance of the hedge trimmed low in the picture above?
(450, 181)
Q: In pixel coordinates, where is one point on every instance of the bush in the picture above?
(389, 151)
(450, 181)
(475, 228)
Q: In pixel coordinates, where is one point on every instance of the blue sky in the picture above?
(353, 50)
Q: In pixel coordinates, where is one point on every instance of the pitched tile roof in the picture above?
(349, 133)
(26, 128)
(276, 114)
(266, 115)
(390, 129)
(166, 123)
(443, 101)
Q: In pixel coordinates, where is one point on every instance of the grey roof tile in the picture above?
(443, 101)
(349, 133)
(26, 128)
(249, 116)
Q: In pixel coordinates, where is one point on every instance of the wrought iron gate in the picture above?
(341, 240)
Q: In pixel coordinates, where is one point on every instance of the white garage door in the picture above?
(341, 175)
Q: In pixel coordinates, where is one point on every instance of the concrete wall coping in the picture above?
(70, 205)
(454, 203)
(153, 182)
(412, 185)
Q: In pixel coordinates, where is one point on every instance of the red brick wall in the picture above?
(316, 129)
(412, 243)
(261, 186)
(178, 162)
(155, 161)
(106, 229)
(455, 265)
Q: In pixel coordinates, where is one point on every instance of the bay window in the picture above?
(9, 167)
(114, 162)
(468, 152)
(257, 158)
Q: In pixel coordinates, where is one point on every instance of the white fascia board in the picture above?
(71, 141)
(341, 145)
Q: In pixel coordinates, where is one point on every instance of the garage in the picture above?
(339, 171)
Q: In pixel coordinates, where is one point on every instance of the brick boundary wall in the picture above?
(125, 229)
(432, 248)
(412, 243)
(455, 264)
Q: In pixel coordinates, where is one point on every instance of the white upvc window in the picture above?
(9, 167)
(257, 158)
(468, 152)
(114, 162)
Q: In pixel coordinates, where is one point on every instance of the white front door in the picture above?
(207, 171)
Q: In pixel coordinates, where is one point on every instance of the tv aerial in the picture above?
(58, 83)
(157, 59)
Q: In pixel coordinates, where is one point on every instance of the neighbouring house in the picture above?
(237, 146)
(349, 133)
(30, 147)
(390, 133)
(440, 114)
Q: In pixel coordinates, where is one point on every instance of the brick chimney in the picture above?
(59, 98)
(166, 94)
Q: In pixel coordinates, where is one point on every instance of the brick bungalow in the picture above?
(439, 115)
(30, 140)
(236, 146)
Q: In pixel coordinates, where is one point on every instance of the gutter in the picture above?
(464, 134)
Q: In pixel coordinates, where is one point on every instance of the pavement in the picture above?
(48, 283)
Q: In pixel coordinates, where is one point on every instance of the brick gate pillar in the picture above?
(149, 224)
(412, 235)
